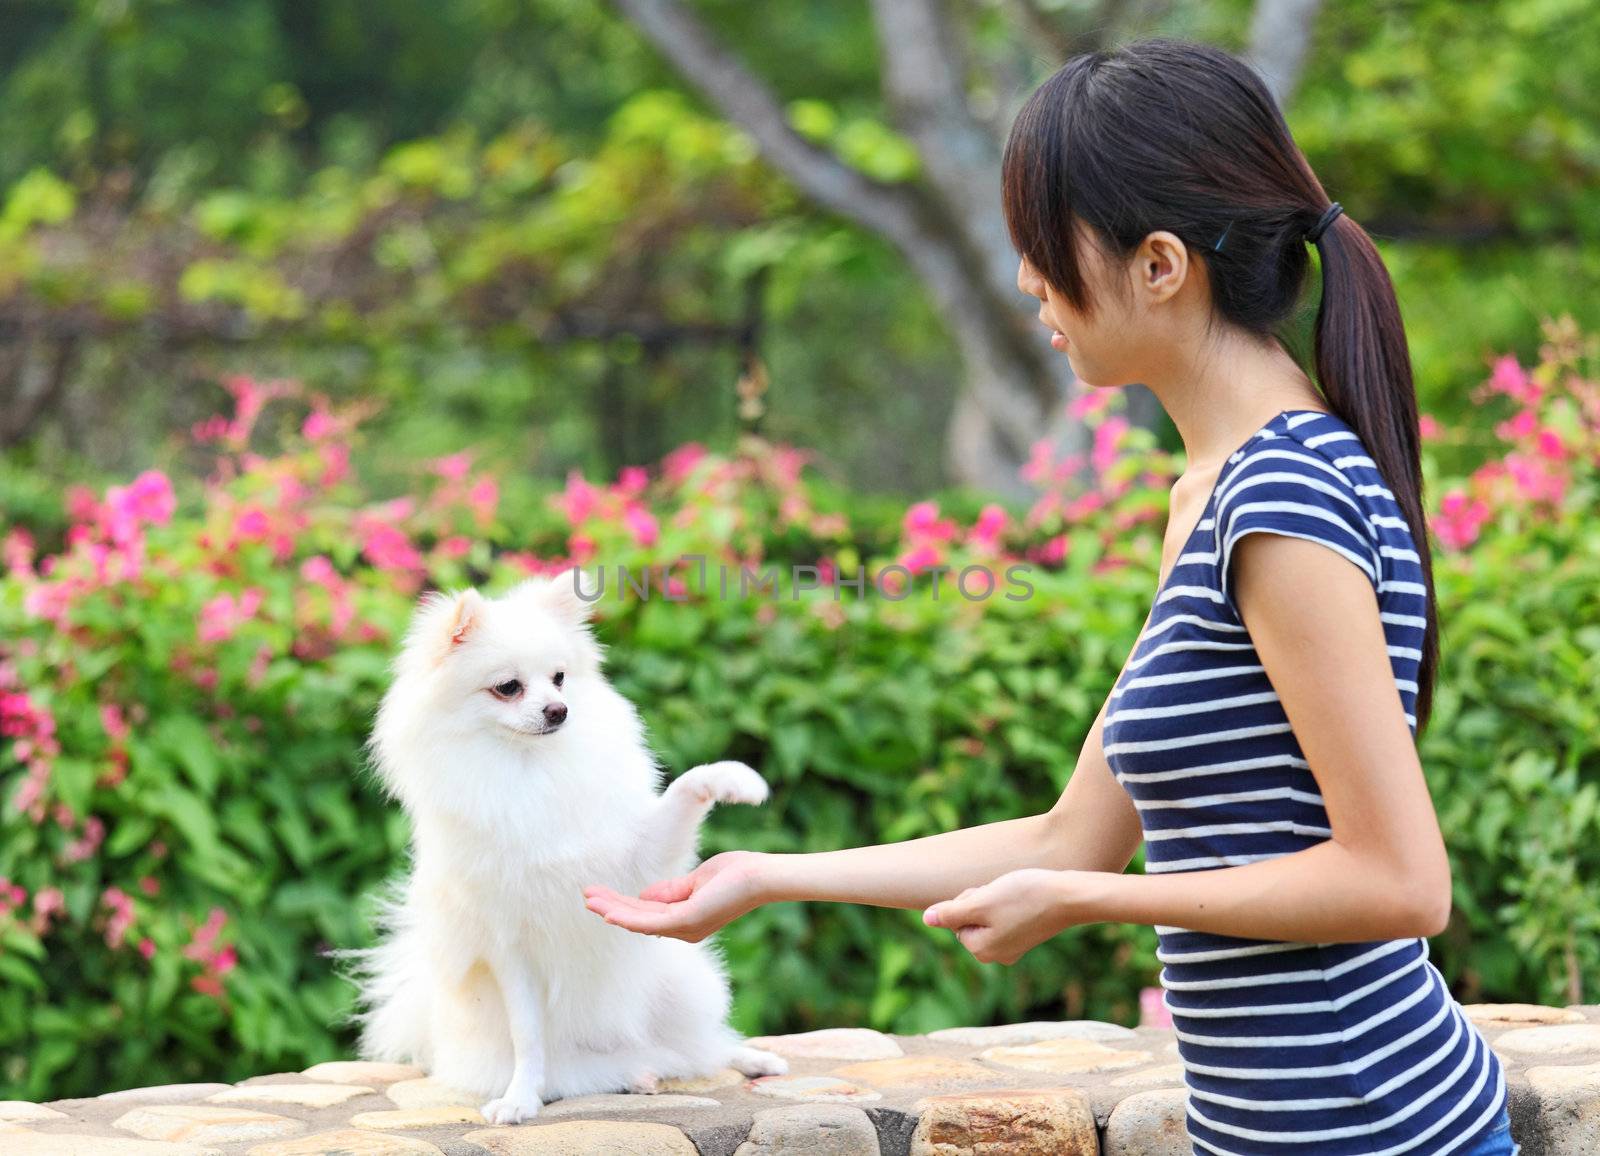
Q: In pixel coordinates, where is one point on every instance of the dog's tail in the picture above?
(392, 1006)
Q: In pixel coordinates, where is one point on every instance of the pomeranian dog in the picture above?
(526, 777)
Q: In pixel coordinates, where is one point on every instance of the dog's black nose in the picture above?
(555, 714)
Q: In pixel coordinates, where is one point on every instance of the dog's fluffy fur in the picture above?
(491, 974)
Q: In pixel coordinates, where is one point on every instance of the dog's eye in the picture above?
(510, 688)
(559, 677)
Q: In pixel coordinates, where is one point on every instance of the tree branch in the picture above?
(1280, 31)
(724, 80)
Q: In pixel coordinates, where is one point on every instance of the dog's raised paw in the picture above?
(729, 781)
(505, 1110)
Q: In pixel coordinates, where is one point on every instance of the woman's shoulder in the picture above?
(1306, 475)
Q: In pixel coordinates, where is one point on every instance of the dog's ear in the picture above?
(571, 595)
(443, 621)
(464, 616)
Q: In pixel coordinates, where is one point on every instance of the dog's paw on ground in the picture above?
(645, 1083)
(754, 1062)
(508, 1111)
(726, 782)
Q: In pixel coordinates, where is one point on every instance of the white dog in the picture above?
(526, 777)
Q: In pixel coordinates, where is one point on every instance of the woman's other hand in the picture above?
(688, 907)
(1001, 921)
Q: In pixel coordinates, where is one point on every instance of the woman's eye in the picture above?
(560, 677)
(510, 688)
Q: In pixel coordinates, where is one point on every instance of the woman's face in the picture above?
(1104, 348)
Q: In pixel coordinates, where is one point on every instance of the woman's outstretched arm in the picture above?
(1092, 827)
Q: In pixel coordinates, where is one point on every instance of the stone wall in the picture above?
(1079, 1088)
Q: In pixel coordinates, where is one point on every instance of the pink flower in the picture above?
(151, 499)
(386, 546)
(116, 726)
(579, 500)
(1083, 505)
(456, 546)
(319, 424)
(335, 458)
(1107, 436)
(787, 463)
(454, 467)
(642, 525)
(1054, 552)
(81, 504)
(1519, 427)
(215, 961)
(1094, 401)
(1040, 458)
(680, 463)
(1550, 445)
(1534, 478)
(1509, 378)
(632, 480)
(121, 915)
(1153, 1011)
(17, 550)
(1428, 427)
(48, 903)
(484, 498)
(147, 947)
(990, 525)
(213, 428)
(84, 847)
(1459, 519)
(148, 500)
(922, 523)
(920, 558)
(252, 524)
(224, 614)
(319, 570)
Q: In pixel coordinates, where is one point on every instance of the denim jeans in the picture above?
(1498, 1142)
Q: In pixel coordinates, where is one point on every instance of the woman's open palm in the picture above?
(688, 907)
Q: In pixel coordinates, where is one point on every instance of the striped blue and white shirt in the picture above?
(1337, 1049)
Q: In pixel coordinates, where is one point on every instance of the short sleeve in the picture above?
(1284, 487)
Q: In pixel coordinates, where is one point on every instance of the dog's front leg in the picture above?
(525, 1016)
(671, 833)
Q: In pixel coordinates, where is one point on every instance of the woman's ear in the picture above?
(1162, 266)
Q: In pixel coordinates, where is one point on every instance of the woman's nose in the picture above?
(1029, 281)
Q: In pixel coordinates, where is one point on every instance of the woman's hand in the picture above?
(690, 906)
(1000, 921)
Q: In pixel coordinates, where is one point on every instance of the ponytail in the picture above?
(1364, 369)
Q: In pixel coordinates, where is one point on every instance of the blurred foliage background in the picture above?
(523, 239)
(519, 225)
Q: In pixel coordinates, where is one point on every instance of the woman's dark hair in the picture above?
(1168, 134)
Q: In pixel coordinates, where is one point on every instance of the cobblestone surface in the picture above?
(1077, 1088)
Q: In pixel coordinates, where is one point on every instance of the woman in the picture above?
(1261, 738)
